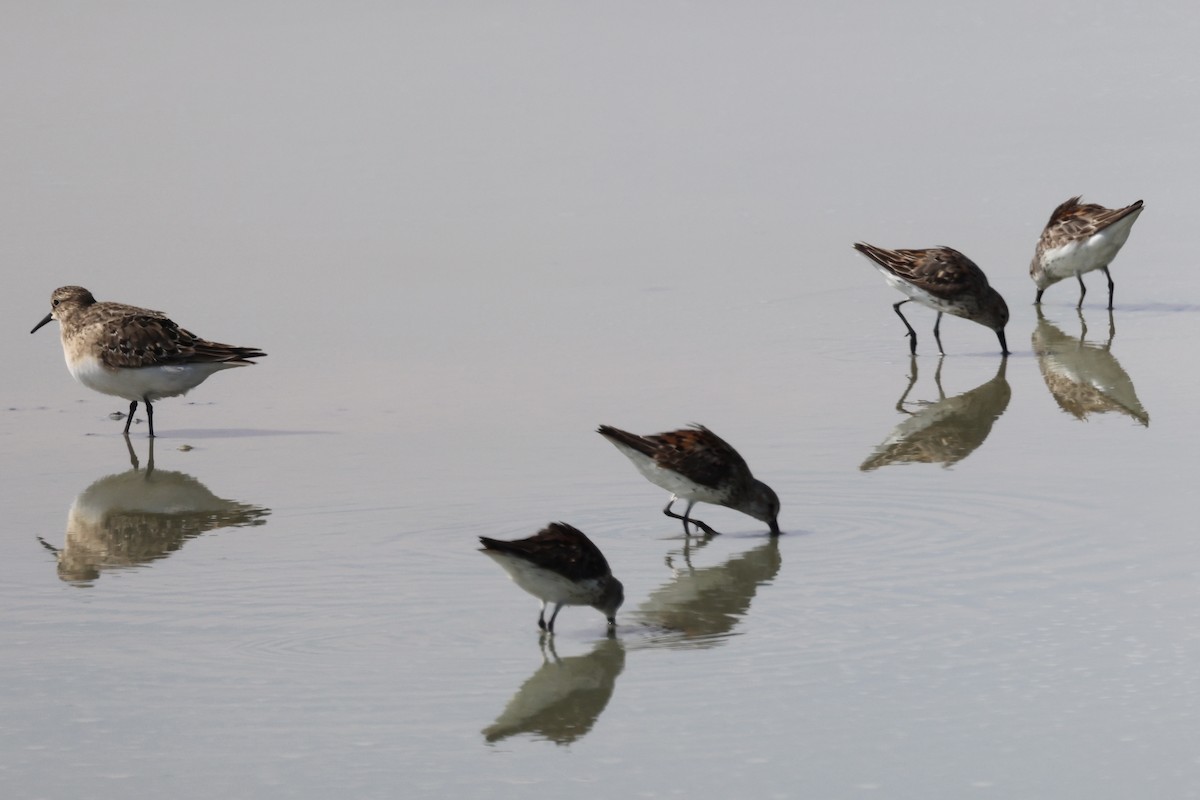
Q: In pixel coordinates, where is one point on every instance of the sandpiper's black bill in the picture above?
(43, 322)
(1003, 343)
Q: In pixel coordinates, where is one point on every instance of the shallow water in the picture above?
(467, 239)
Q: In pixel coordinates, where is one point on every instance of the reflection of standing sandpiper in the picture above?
(1079, 238)
(1085, 378)
(135, 517)
(946, 430)
(135, 353)
(559, 565)
(945, 280)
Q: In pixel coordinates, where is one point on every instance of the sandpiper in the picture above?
(559, 565)
(946, 281)
(1079, 238)
(696, 465)
(135, 353)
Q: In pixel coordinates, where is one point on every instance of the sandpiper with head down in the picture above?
(1079, 238)
(135, 353)
(946, 281)
(559, 565)
(696, 465)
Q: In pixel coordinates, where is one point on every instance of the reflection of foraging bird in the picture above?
(696, 465)
(1079, 238)
(701, 607)
(559, 565)
(562, 700)
(135, 353)
(946, 281)
(944, 431)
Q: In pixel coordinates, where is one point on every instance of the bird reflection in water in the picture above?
(562, 700)
(700, 607)
(132, 518)
(946, 430)
(1084, 378)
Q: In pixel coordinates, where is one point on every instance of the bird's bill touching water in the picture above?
(1003, 342)
(612, 599)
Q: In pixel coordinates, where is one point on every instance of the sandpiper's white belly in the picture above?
(546, 584)
(670, 480)
(919, 295)
(1084, 255)
(142, 383)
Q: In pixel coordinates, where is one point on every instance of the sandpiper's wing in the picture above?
(138, 337)
(942, 271)
(558, 547)
(1075, 220)
(701, 455)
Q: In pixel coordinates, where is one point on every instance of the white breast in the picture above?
(1084, 255)
(919, 295)
(672, 481)
(545, 584)
(141, 383)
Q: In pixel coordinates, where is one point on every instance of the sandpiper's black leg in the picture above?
(149, 416)
(1082, 289)
(667, 510)
(686, 518)
(1037, 301)
(1111, 286)
(129, 419)
(542, 616)
(937, 333)
(912, 335)
(687, 515)
(554, 616)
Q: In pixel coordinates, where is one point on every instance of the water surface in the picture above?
(467, 237)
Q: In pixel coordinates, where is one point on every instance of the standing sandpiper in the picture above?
(946, 281)
(1079, 238)
(559, 565)
(696, 465)
(135, 353)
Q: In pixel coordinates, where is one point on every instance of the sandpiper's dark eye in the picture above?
(55, 302)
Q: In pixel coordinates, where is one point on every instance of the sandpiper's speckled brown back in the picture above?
(695, 452)
(942, 271)
(124, 336)
(1075, 220)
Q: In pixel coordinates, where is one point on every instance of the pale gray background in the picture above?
(466, 234)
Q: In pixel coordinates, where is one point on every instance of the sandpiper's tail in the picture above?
(498, 545)
(888, 259)
(631, 440)
(225, 353)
